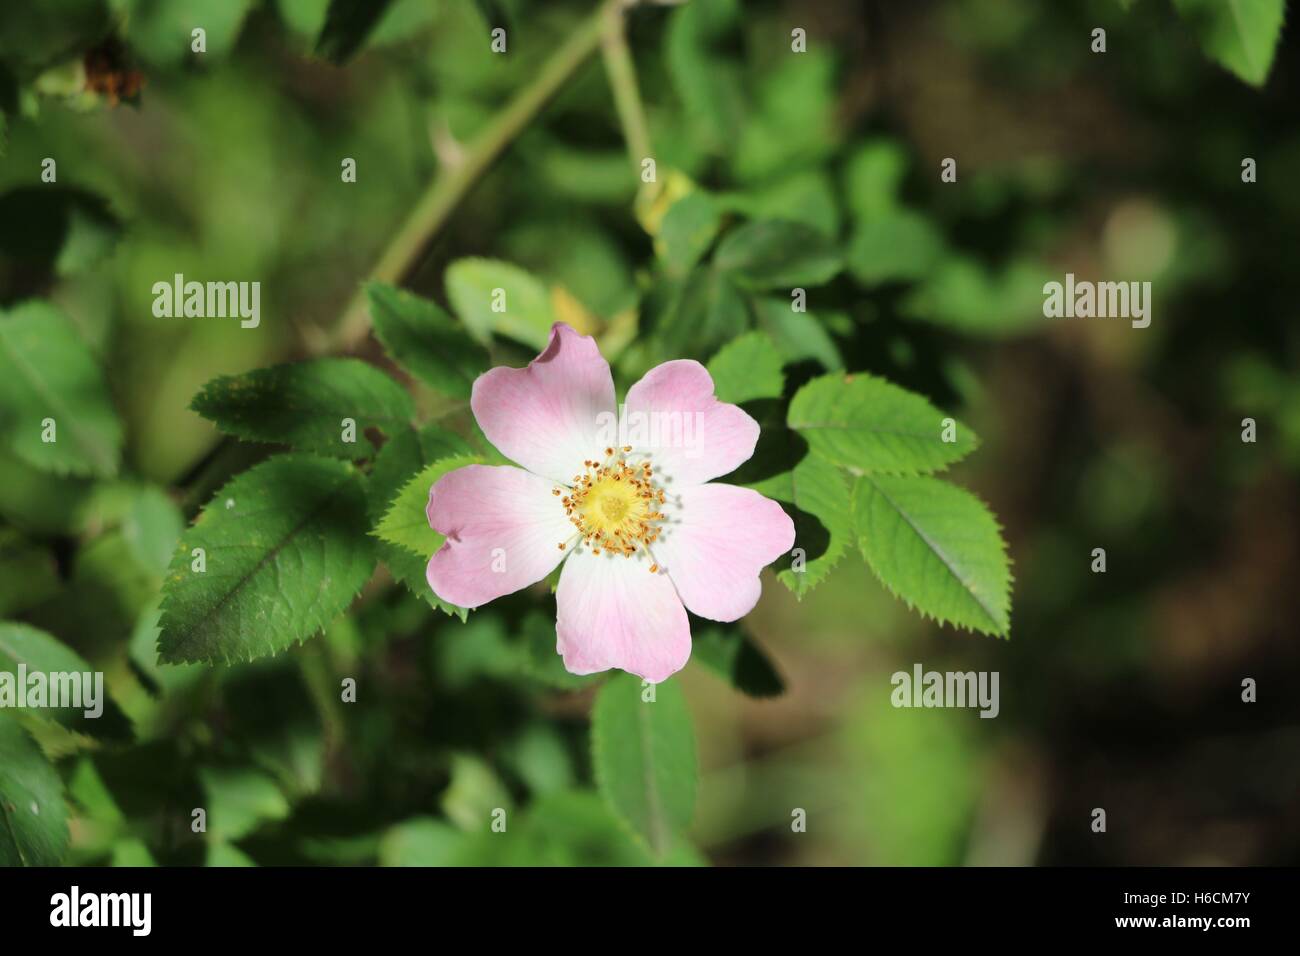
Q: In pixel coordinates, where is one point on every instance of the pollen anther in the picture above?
(614, 505)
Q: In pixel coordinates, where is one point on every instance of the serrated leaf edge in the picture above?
(392, 505)
(228, 659)
(938, 618)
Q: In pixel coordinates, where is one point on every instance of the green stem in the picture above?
(622, 81)
(445, 194)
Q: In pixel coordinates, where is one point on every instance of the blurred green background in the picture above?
(1119, 690)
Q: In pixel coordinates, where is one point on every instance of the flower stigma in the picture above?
(614, 505)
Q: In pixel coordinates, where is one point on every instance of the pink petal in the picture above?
(692, 437)
(548, 416)
(715, 542)
(503, 529)
(614, 613)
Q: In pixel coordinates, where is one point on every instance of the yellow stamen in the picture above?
(615, 505)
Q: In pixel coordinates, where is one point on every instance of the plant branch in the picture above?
(622, 81)
(433, 209)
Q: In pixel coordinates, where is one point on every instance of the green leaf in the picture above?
(42, 503)
(425, 340)
(797, 335)
(539, 756)
(873, 177)
(108, 591)
(356, 26)
(420, 841)
(152, 526)
(807, 196)
(896, 247)
(160, 32)
(132, 852)
(33, 816)
(1240, 35)
(481, 650)
(746, 368)
(540, 659)
(37, 35)
(277, 715)
(565, 828)
(239, 800)
(90, 797)
(966, 295)
(643, 754)
(774, 253)
(223, 854)
(872, 426)
(286, 551)
(348, 23)
(405, 454)
(577, 173)
(396, 464)
(707, 79)
(304, 405)
(938, 548)
(474, 793)
(823, 521)
(47, 371)
(485, 449)
(526, 315)
(584, 258)
(28, 573)
(912, 781)
(793, 123)
(406, 523)
(729, 653)
(695, 315)
(493, 12)
(54, 229)
(45, 654)
(688, 229)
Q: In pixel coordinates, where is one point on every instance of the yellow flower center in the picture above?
(614, 505)
(610, 503)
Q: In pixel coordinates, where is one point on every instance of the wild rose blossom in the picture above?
(623, 496)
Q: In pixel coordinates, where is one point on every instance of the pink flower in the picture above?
(622, 495)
